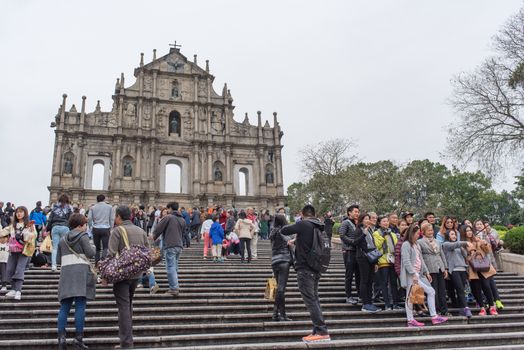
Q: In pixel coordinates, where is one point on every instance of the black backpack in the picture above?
(320, 253)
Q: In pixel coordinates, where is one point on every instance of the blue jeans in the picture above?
(172, 257)
(56, 235)
(80, 313)
(145, 277)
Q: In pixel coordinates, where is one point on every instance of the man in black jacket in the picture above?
(173, 227)
(307, 278)
(347, 236)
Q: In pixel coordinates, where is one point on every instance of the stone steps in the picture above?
(221, 306)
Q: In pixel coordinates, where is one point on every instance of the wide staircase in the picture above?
(221, 306)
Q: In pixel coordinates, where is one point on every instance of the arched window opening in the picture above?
(173, 178)
(243, 182)
(174, 123)
(97, 182)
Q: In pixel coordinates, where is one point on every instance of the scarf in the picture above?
(432, 243)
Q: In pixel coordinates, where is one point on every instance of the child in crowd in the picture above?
(148, 276)
(204, 233)
(216, 234)
(4, 254)
(414, 270)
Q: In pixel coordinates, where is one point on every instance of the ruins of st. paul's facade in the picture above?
(170, 118)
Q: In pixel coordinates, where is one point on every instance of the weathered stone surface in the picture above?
(170, 115)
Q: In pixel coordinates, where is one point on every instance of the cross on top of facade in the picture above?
(175, 46)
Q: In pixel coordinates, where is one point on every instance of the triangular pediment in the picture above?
(175, 62)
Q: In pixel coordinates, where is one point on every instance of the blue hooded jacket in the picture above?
(216, 233)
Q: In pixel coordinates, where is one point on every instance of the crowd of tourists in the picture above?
(454, 263)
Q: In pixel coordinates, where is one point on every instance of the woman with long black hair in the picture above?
(365, 243)
(281, 260)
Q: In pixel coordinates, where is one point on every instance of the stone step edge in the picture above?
(359, 343)
(263, 325)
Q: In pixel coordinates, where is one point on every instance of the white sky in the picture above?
(376, 71)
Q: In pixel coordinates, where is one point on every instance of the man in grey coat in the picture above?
(124, 290)
(101, 218)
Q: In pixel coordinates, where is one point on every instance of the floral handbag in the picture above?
(131, 261)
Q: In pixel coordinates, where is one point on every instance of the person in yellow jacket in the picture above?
(386, 277)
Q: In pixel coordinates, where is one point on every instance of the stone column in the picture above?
(196, 172)
(118, 160)
(278, 172)
(195, 84)
(79, 150)
(209, 164)
(229, 171)
(138, 173)
(153, 167)
(262, 173)
(57, 171)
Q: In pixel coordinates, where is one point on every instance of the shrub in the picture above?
(502, 234)
(336, 226)
(500, 228)
(514, 240)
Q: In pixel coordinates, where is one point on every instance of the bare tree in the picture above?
(489, 101)
(328, 158)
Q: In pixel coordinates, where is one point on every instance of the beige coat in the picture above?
(483, 248)
(245, 228)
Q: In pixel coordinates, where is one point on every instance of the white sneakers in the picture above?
(4, 288)
(14, 294)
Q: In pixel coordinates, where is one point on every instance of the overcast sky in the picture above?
(376, 71)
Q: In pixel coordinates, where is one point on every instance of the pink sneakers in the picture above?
(439, 319)
(415, 323)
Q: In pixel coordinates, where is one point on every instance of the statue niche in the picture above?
(68, 164)
(174, 123)
(218, 174)
(270, 178)
(128, 167)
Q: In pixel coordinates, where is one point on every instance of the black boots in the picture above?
(279, 310)
(62, 340)
(79, 342)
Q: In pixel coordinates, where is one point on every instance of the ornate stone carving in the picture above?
(147, 117)
(161, 116)
(130, 116)
(148, 83)
(188, 125)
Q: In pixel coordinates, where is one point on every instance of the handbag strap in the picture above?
(91, 267)
(124, 236)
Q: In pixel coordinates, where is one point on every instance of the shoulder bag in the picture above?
(131, 261)
(480, 263)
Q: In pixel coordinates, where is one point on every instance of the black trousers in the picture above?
(367, 273)
(101, 241)
(439, 285)
(308, 286)
(387, 278)
(124, 292)
(479, 286)
(350, 262)
(245, 243)
(281, 272)
(458, 280)
(450, 290)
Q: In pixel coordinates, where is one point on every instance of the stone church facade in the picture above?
(170, 117)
